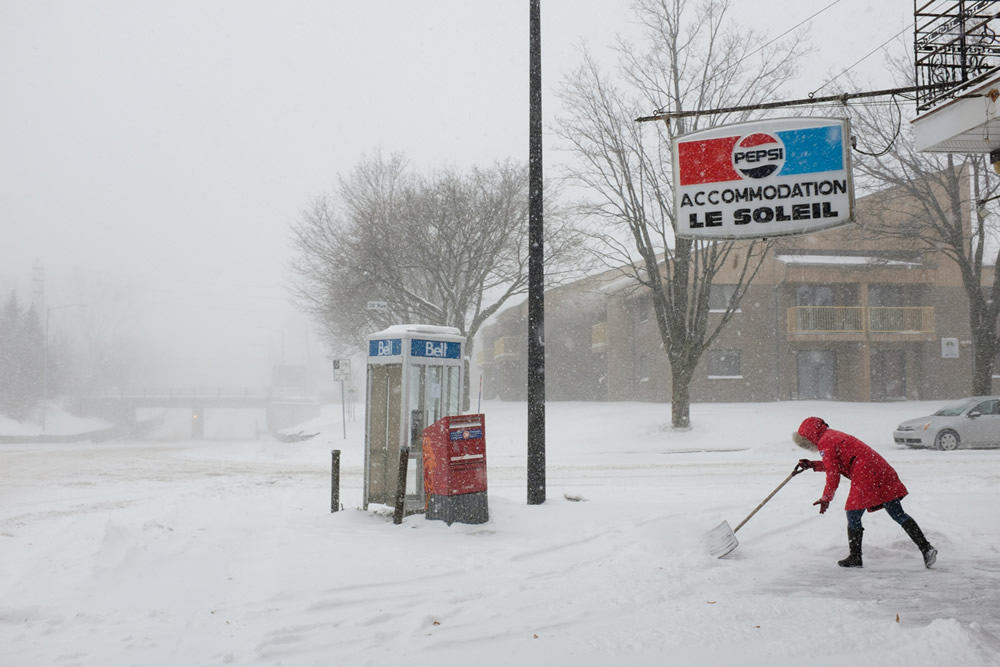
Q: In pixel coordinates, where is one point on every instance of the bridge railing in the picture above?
(187, 392)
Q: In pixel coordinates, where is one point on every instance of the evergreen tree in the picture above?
(10, 318)
(22, 359)
(33, 351)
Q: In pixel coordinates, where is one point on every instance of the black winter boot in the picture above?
(854, 541)
(917, 535)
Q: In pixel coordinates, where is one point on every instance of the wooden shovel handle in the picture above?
(763, 502)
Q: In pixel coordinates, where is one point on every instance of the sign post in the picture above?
(342, 372)
(763, 179)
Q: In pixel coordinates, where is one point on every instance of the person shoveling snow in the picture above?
(874, 484)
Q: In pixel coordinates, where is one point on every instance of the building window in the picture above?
(886, 295)
(642, 307)
(599, 336)
(720, 297)
(813, 295)
(724, 364)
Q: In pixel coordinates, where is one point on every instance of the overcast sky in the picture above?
(154, 154)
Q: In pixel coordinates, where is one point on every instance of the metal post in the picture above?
(536, 270)
(335, 482)
(343, 408)
(404, 461)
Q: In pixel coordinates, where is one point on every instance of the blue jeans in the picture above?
(893, 507)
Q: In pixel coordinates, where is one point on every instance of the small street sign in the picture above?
(378, 305)
(342, 370)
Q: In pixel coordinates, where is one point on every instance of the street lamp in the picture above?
(45, 356)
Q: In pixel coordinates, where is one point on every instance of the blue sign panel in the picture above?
(437, 349)
(392, 347)
(466, 434)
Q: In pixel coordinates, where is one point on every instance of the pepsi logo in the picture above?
(758, 155)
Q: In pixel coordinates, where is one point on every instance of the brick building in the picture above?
(839, 314)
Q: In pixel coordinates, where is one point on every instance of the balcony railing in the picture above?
(504, 347)
(857, 319)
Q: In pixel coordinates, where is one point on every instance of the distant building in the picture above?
(838, 315)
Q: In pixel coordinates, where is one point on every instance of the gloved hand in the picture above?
(823, 504)
(802, 465)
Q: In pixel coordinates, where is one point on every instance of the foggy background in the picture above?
(154, 155)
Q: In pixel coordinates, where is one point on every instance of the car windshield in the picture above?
(953, 409)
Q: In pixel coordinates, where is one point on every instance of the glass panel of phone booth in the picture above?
(383, 425)
(453, 398)
(432, 406)
(415, 406)
(434, 392)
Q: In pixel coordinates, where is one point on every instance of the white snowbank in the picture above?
(200, 553)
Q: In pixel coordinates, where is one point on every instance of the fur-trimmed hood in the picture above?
(810, 431)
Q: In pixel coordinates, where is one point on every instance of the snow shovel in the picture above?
(721, 540)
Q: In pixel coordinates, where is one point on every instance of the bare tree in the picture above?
(449, 249)
(937, 201)
(691, 58)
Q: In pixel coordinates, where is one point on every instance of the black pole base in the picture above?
(465, 508)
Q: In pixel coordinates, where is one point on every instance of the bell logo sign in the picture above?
(390, 347)
(435, 349)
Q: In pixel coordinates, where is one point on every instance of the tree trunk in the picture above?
(680, 402)
(984, 351)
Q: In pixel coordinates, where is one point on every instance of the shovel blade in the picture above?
(721, 540)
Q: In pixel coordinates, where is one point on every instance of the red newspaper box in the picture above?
(455, 469)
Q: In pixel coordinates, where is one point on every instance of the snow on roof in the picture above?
(425, 329)
(619, 283)
(844, 260)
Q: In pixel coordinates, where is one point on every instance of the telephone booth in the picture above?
(414, 379)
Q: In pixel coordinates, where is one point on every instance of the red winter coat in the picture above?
(873, 480)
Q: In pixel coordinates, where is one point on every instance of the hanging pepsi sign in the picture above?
(763, 179)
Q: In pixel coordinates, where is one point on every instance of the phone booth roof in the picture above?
(420, 343)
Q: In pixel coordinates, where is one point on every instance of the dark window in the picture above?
(642, 307)
(885, 295)
(813, 295)
(817, 372)
(724, 363)
(720, 296)
(986, 408)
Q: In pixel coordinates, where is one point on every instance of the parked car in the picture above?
(971, 422)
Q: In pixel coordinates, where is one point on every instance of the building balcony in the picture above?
(849, 323)
(504, 348)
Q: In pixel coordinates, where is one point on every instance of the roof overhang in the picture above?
(846, 260)
(968, 124)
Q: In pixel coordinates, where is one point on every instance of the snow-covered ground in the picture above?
(215, 552)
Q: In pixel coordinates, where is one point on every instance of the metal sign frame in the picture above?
(763, 179)
(342, 370)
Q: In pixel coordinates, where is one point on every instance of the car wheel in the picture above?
(946, 440)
